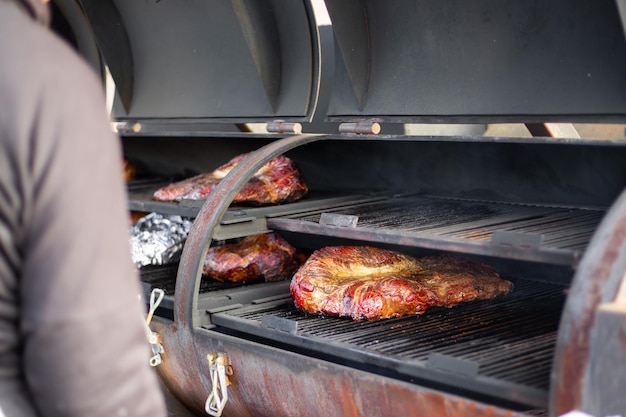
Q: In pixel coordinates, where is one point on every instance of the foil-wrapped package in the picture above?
(158, 239)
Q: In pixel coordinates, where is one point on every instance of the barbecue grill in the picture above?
(548, 213)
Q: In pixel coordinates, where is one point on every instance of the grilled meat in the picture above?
(268, 256)
(369, 283)
(130, 171)
(278, 181)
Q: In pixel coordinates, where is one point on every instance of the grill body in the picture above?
(498, 354)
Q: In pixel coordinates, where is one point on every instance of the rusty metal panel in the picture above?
(178, 370)
(269, 382)
(604, 389)
(597, 281)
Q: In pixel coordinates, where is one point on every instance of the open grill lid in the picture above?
(478, 61)
(236, 61)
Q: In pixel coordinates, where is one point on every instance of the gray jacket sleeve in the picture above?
(85, 351)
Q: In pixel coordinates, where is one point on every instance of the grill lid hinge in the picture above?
(281, 126)
(127, 127)
(361, 127)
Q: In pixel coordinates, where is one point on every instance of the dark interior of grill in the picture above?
(527, 206)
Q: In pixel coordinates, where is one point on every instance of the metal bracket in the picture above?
(192, 204)
(339, 220)
(452, 365)
(234, 229)
(517, 240)
(280, 324)
(220, 369)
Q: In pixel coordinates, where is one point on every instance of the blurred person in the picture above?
(72, 340)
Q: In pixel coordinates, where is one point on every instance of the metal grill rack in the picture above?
(553, 235)
(500, 348)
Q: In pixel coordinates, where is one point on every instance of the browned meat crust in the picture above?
(364, 282)
(278, 181)
(266, 257)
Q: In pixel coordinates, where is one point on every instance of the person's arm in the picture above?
(85, 351)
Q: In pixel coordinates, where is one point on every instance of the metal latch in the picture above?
(220, 369)
(156, 296)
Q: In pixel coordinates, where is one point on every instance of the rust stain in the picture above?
(594, 281)
(271, 383)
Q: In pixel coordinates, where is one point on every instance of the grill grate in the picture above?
(470, 225)
(562, 228)
(511, 340)
(164, 277)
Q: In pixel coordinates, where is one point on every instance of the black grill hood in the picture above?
(478, 61)
(430, 61)
(197, 60)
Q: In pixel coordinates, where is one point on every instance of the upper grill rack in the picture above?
(547, 234)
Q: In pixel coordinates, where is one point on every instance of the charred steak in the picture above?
(266, 257)
(278, 181)
(364, 282)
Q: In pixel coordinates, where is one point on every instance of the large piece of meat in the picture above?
(364, 282)
(267, 257)
(278, 181)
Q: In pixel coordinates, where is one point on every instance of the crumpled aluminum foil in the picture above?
(158, 239)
